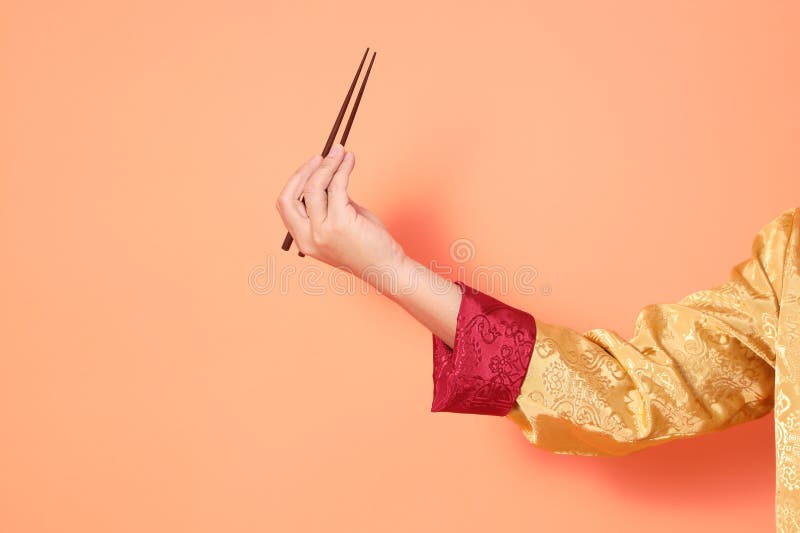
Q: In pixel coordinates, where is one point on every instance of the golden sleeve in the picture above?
(699, 365)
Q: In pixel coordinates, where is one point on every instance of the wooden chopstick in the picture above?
(287, 241)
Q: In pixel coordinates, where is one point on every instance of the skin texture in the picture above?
(331, 227)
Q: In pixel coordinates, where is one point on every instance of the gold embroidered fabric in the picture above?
(716, 358)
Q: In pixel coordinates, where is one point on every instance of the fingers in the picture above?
(290, 208)
(288, 199)
(314, 190)
(337, 188)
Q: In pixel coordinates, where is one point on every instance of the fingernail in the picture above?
(335, 149)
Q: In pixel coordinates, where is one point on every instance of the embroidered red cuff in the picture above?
(484, 371)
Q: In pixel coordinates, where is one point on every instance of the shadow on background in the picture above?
(702, 471)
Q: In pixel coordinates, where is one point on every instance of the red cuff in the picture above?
(484, 371)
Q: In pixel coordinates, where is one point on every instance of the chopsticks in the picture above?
(287, 241)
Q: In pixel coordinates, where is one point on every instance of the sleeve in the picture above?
(699, 365)
(484, 371)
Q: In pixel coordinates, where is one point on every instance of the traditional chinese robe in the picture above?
(716, 358)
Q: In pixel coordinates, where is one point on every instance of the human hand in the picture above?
(331, 226)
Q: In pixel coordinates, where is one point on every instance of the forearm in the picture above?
(433, 300)
(481, 346)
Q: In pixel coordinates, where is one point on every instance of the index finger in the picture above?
(314, 189)
(290, 194)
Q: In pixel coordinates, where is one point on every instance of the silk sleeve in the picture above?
(483, 372)
(701, 364)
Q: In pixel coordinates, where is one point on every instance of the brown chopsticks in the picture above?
(287, 241)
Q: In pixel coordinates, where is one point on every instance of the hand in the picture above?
(331, 227)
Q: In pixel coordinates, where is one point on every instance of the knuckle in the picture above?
(320, 237)
(284, 201)
(305, 245)
(328, 166)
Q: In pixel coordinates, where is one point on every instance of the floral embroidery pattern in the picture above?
(483, 372)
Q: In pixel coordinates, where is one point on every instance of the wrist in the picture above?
(413, 280)
(380, 267)
(392, 276)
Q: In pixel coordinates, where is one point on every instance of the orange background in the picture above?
(628, 150)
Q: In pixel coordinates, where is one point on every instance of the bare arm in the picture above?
(433, 300)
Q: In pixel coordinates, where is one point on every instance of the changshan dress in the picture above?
(716, 358)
